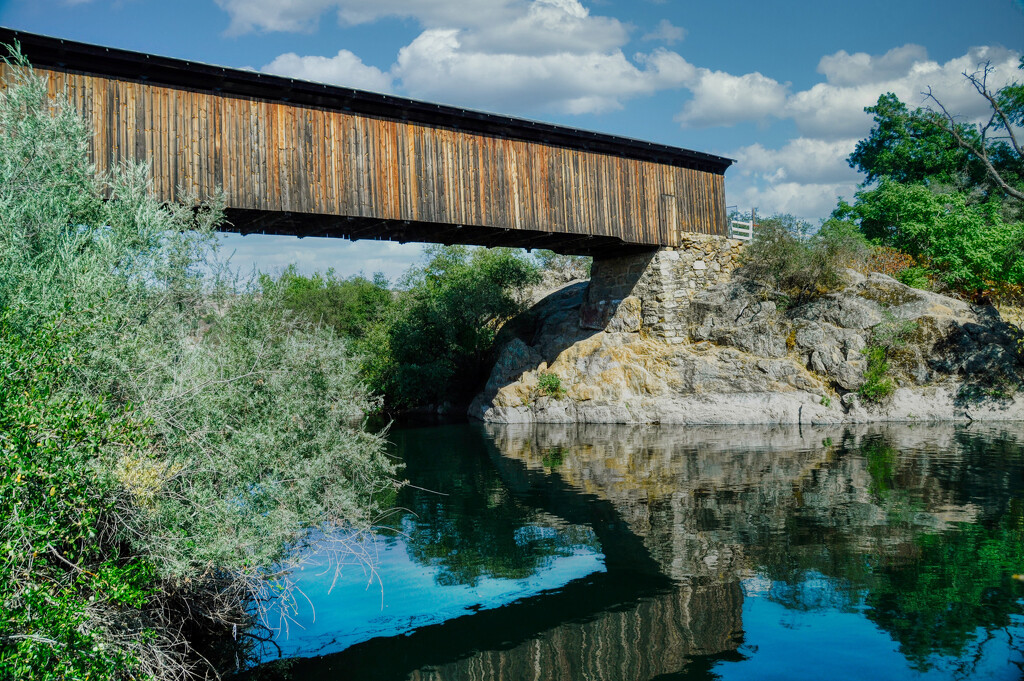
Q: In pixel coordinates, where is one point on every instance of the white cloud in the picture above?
(435, 66)
(804, 177)
(666, 32)
(272, 253)
(720, 98)
(843, 68)
(548, 27)
(300, 15)
(344, 68)
(523, 57)
(835, 109)
(273, 15)
(808, 201)
(802, 160)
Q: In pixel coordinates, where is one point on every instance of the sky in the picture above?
(780, 87)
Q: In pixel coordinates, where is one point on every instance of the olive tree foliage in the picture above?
(799, 262)
(254, 415)
(435, 344)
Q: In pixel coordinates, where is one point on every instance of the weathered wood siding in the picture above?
(276, 156)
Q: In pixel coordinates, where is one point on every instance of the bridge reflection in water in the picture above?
(688, 520)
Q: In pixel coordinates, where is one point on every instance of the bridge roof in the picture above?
(48, 52)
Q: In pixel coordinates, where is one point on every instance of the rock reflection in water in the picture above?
(924, 525)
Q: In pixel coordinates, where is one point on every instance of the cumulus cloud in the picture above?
(300, 15)
(806, 175)
(720, 98)
(843, 68)
(548, 27)
(344, 68)
(271, 254)
(800, 160)
(835, 109)
(273, 15)
(809, 201)
(666, 33)
(543, 55)
(436, 66)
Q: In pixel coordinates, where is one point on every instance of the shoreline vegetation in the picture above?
(168, 435)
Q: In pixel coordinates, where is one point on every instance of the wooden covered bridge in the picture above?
(306, 159)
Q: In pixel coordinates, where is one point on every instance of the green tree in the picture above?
(350, 306)
(788, 255)
(911, 147)
(947, 192)
(932, 147)
(74, 600)
(438, 340)
(968, 244)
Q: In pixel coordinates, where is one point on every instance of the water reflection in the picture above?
(882, 552)
(459, 516)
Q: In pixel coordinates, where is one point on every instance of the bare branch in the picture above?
(981, 85)
(950, 125)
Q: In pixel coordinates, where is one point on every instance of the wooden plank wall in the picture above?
(274, 156)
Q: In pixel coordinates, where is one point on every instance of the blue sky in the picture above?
(778, 86)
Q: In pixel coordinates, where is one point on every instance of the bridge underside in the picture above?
(242, 221)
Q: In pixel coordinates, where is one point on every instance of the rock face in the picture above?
(665, 352)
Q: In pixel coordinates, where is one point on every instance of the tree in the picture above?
(788, 257)
(166, 439)
(350, 306)
(947, 192)
(437, 341)
(910, 147)
(931, 146)
(1001, 155)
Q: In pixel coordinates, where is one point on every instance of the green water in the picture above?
(617, 552)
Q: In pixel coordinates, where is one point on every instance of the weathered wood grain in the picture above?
(276, 156)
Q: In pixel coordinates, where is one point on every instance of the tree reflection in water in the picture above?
(463, 520)
(917, 531)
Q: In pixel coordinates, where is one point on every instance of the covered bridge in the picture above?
(308, 159)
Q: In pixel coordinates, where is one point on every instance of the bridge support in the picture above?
(651, 291)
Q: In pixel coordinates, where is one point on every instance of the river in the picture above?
(617, 552)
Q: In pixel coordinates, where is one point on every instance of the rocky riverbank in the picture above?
(735, 355)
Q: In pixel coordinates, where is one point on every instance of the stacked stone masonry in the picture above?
(652, 292)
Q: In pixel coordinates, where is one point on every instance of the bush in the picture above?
(968, 245)
(889, 261)
(67, 586)
(886, 336)
(192, 433)
(437, 342)
(802, 266)
(349, 306)
(877, 383)
(916, 277)
(549, 383)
